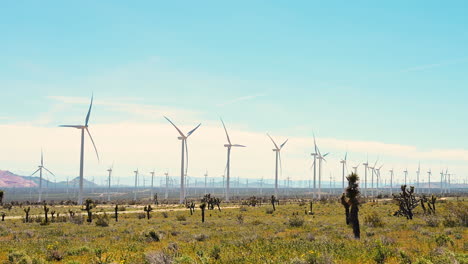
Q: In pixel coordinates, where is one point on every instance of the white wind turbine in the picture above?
(315, 167)
(152, 185)
(109, 182)
(441, 181)
(429, 181)
(167, 185)
(320, 158)
(343, 161)
(40, 176)
(183, 139)
(277, 151)
(206, 177)
(136, 185)
(406, 175)
(228, 164)
(391, 182)
(417, 177)
(83, 128)
(356, 167)
(372, 179)
(377, 172)
(366, 165)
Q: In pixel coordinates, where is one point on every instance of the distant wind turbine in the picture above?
(343, 161)
(356, 167)
(391, 182)
(372, 179)
(109, 182)
(277, 151)
(228, 164)
(429, 181)
(167, 185)
(377, 172)
(406, 175)
(183, 139)
(315, 168)
(206, 177)
(366, 165)
(83, 128)
(320, 158)
(152, 185)
(40, 176)
(417, 177)
(136, 185)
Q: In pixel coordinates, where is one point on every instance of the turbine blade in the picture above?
(180, 132)
(225, 130)
(276, 146)
(74, 126)
(284, 143)
(35, 172)
(42, 158)
(237, 145)
(326, 154)
(49, 171)
(94, 145)
(89, 111)
(193, 130)
(313, 163)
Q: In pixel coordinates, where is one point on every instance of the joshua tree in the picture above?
(352, 200)
(156, 202)
(406, 202)
(311, 203)
(3, 216)
(273, 201)
(148, 210)
(71, 213)
(116, 212)
(46, 210)
(26, 210)
(52, 213)
(89, 205)
(430, 204)
(345, 204)
(211, 201)
(1, 197)
(202, 207)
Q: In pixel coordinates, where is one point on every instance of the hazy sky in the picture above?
(384, 78)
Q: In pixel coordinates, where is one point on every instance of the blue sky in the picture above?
(392, 72)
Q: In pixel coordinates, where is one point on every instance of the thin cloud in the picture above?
(240, 99)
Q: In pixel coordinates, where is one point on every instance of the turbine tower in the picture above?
(277, 151)
(343, 161)
(441, 181)
(429, 181)
(417, 177)
(356, 167)
(391, 182)
(136, 185)
(377, 173)
(183, 139)
(167, 185)
(315, 167)
(83, 128)
(320, 158)
(406, 175)
(109, 182)
(152, 185)
(228, 164)
(40, 176)
(366, 165)
(372, 178)
(206, 177)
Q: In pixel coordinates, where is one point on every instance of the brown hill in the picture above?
(10, 180)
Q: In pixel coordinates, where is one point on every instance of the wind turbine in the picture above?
(40, 176)
(417, 176)
(83, 128)
(277, 151)
(391, 182)
(343, 161)
(377, 172)
(109, 182)
(366, 165)
(206, 177)
(136, 185)
(183, 139)
(228, 164)
(429, 181)
(152, 184)
(167, 185)
(356, 167)
(441, 181)
(406, 175)
(314, 164)
(320, 158)
(372, 179)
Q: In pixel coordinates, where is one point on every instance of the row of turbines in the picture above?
(318, 159)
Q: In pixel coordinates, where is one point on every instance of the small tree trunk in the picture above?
(354, 219)
(116, 211)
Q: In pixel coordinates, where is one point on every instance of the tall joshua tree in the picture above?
(350, 201)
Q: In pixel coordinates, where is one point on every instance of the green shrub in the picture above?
(373, 220)
(442, 240)
(181, 218)
(102, 221)
(215, 252)
(296, 221)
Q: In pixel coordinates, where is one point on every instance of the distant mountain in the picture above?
(10, 180)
